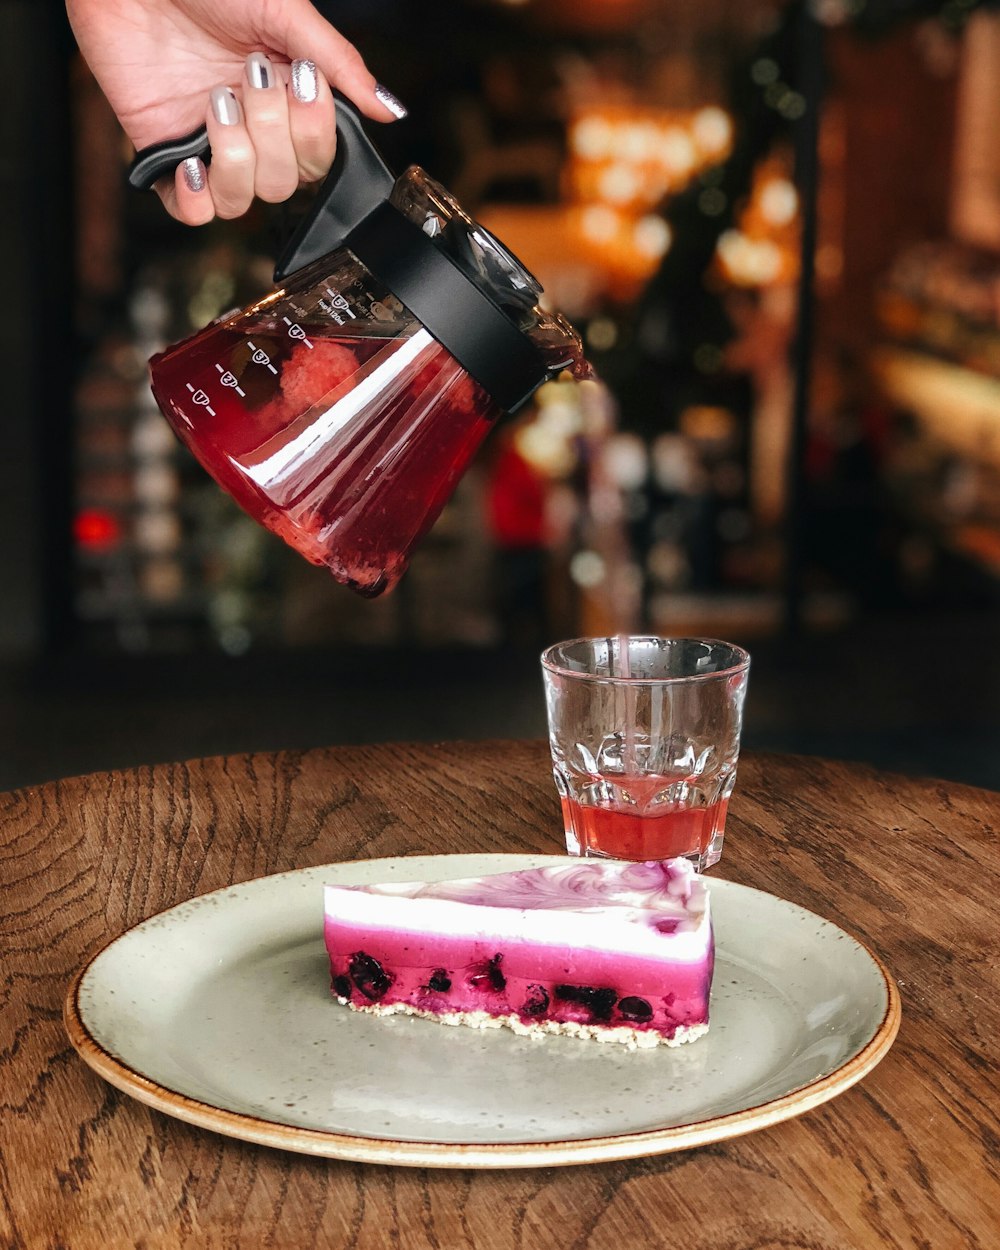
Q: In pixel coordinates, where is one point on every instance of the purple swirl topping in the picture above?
(671, 886)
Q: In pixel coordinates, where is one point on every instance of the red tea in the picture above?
(348, 448)
(631, 831)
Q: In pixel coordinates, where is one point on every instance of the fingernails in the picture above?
(225, 105)
(260, 71)
(193, 170)
(385, 96)
(305, 86)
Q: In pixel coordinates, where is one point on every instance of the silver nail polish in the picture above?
(385, 96)
(225, 106)
(260, 71)
(193, 170)
(305, 85)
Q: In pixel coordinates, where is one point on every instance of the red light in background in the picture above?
(96, 529)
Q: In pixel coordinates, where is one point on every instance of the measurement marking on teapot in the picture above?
(201, 397)
(260, 357)
(228, 378)
(295, 331)
(336, 307)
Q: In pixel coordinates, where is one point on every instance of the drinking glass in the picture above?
(645, 738)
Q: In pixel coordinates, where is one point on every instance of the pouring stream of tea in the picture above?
(631, 764)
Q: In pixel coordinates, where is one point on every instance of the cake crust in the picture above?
(538, 1030)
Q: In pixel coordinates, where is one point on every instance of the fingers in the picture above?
(303, 32)
(234, 161)
(280, 134)
(274, 141)
(186, 195)
(311, 120)
(265, 106)
(276, 131)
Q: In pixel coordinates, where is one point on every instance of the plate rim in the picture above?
(481, 1155)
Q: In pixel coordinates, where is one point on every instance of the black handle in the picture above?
(359, 180)
(155, 162)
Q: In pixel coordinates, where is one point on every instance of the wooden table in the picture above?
(908, 1157)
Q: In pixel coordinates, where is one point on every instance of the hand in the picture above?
(257, 72)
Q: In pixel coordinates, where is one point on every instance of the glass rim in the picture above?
(560, 670)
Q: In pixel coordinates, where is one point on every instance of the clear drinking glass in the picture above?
(645, 737)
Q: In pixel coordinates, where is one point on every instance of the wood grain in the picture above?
(908, 1158)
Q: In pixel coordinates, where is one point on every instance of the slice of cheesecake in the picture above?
(596, 948)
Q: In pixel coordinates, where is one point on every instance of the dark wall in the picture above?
(35, 325)
(896, 112)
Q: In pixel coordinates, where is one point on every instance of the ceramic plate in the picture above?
(219, 1012)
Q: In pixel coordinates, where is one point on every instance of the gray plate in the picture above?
(219, 1012)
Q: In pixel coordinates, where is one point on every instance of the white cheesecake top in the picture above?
(658, 909)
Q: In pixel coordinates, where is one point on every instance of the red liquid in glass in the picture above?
(628, 832)
(346, 447)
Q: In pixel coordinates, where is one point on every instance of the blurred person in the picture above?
(257, 73)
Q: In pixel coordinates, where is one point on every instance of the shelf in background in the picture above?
(957, 407)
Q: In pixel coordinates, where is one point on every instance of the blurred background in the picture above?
(776, 226)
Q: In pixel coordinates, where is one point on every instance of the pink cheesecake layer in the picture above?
(593, 943)
(525, 980)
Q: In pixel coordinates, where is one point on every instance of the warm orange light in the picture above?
(625, 160)
(761, 249)
(629, 155)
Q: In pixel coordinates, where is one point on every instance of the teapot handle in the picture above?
(159, 159)
(359, 180)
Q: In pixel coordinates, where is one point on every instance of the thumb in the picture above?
(298, 31)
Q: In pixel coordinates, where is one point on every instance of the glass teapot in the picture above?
(341, 410)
